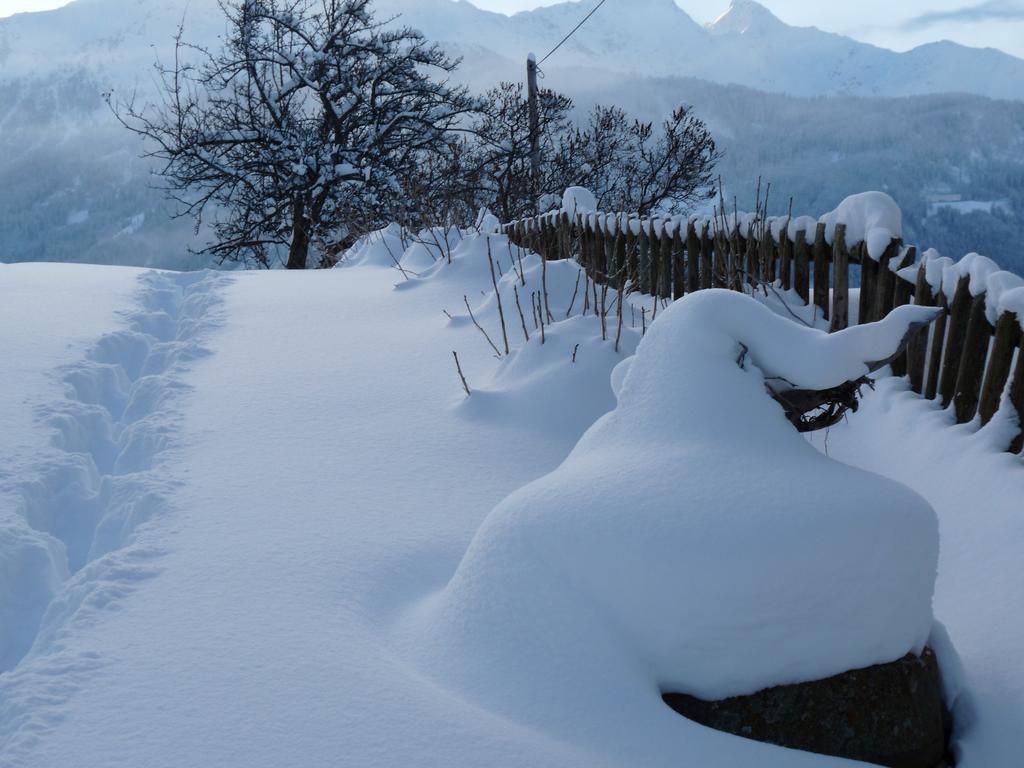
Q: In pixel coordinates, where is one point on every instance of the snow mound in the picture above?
(693, 541)
(487, 223)
(871, 217)
(560, 386)
(578, 200)
(382, 248)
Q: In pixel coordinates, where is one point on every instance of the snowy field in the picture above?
(253, 520)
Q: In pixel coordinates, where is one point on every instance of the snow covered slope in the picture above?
(272, 475)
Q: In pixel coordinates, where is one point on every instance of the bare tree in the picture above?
(630, 166)
(300, 128)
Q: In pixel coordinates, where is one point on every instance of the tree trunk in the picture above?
(298, 251)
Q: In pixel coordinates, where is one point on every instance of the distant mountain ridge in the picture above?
(747, 45)
(72, 186)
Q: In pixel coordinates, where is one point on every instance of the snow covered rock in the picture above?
(890, 714)
(693, 541)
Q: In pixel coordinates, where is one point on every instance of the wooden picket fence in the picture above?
(966, 359)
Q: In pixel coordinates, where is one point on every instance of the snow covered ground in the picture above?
(274, 476)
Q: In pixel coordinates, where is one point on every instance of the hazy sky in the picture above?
(898, 24)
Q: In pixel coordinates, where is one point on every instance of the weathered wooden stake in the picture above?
(917, 350)
(959, 317)
(821, 260)
(693, 276)
(972, 362)
(801, 267)
(840, 280)
(931, 389)
(785, 257)
(868, 284)
(707, 258)
(632, 255)
(1017, 397)
(665, 270)
(678, 258)
(644, 261)
(884, 296)
(654, 256)
(902, 293)
(1000, 360)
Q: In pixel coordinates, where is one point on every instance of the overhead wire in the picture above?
(574, 31)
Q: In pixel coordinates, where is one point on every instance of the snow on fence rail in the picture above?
(970, 358)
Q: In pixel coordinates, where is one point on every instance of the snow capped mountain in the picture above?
(747, 45)
(743, 17)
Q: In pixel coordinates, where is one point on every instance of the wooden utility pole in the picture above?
(532, 93)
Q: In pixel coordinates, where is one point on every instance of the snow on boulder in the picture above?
(579, 200)
(693, 541)
(870, 217)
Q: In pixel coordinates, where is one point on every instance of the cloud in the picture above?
(990, 10)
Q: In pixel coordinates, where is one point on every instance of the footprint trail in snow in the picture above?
(77, 544)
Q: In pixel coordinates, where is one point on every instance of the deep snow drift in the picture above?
(314, 582)
(692, 541)
(680, 485)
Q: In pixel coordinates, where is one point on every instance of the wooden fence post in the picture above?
(583, 253)
(707, 257)
(959, 316)
(801, 267)
(868, 284)
(665, 264)
(821, 281)
(620, 253)
(972, 362)
(720, 278)
(611, 230)
(1017, 397)
(632, 254)
(1000, 361)
(693, 276)
(902, 293)
(785, 257)
(644, 262)
(736, 266)
(602, 249)
(840, 280)
(917, 350)
(565, 239)
(931, 390)
(678, 263)
(653, 257)
(752, 257)
(883, 299)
